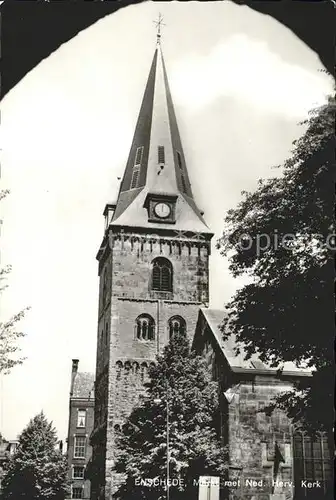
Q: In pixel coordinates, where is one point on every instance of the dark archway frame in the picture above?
(32, 30)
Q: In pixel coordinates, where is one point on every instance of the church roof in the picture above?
(83, 385)
(214, 318)
(156, 163)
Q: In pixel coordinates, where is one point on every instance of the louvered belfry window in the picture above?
(161, 154)
(180, 164)
(138, 156)
(162, 275)
(136, 167)
(184, 186)
(135, 178)
(179, 159)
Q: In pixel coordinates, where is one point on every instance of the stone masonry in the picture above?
(253, 437)
(122, 359)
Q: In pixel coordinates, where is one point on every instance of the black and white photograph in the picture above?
(167, 250)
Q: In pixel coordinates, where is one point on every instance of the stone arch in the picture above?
(311, 457)
(145, 327)
(176, 326)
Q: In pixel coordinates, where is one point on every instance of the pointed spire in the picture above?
(156, 162)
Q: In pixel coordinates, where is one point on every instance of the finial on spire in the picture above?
(158, 24)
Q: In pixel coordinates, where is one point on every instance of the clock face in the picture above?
(162, 210)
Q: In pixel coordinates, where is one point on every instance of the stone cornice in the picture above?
(179, 302)
(174, 236)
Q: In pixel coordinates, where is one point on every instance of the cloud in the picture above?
(247, 69)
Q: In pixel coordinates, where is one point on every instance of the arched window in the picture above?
(162, 275)
(145, 327)
(177, 326)
(312, 462)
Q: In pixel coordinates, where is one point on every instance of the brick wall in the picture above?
(75, 405)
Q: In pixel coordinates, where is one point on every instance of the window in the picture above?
(184, 186)
(180, 164)
(162, 275)
(77, 492)
(78, 472)
(136, 167)
(81, 418)
(135, 178)
(161, 154)
(145, 327)
(80, 447)
(177, 326)
(179, 159)
(312, 462)
(138, 156)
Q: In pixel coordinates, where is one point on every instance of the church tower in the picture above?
(153, 269)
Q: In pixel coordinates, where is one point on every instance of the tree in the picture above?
(38, 470)
(282, 235)
(181, 381)
(9, 335)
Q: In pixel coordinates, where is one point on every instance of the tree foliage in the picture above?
(38, 470)
(282, 236)
(181, 379)
(9, 334)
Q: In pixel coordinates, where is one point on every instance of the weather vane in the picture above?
(158, 24)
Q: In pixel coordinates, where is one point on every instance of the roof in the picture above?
(83, 385)
(237, 362)
(136, 216)
(145, 172)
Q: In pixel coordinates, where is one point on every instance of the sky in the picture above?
(241, 82)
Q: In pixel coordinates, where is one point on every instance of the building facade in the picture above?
(7, 450)
(269, 459)
(81, 417)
